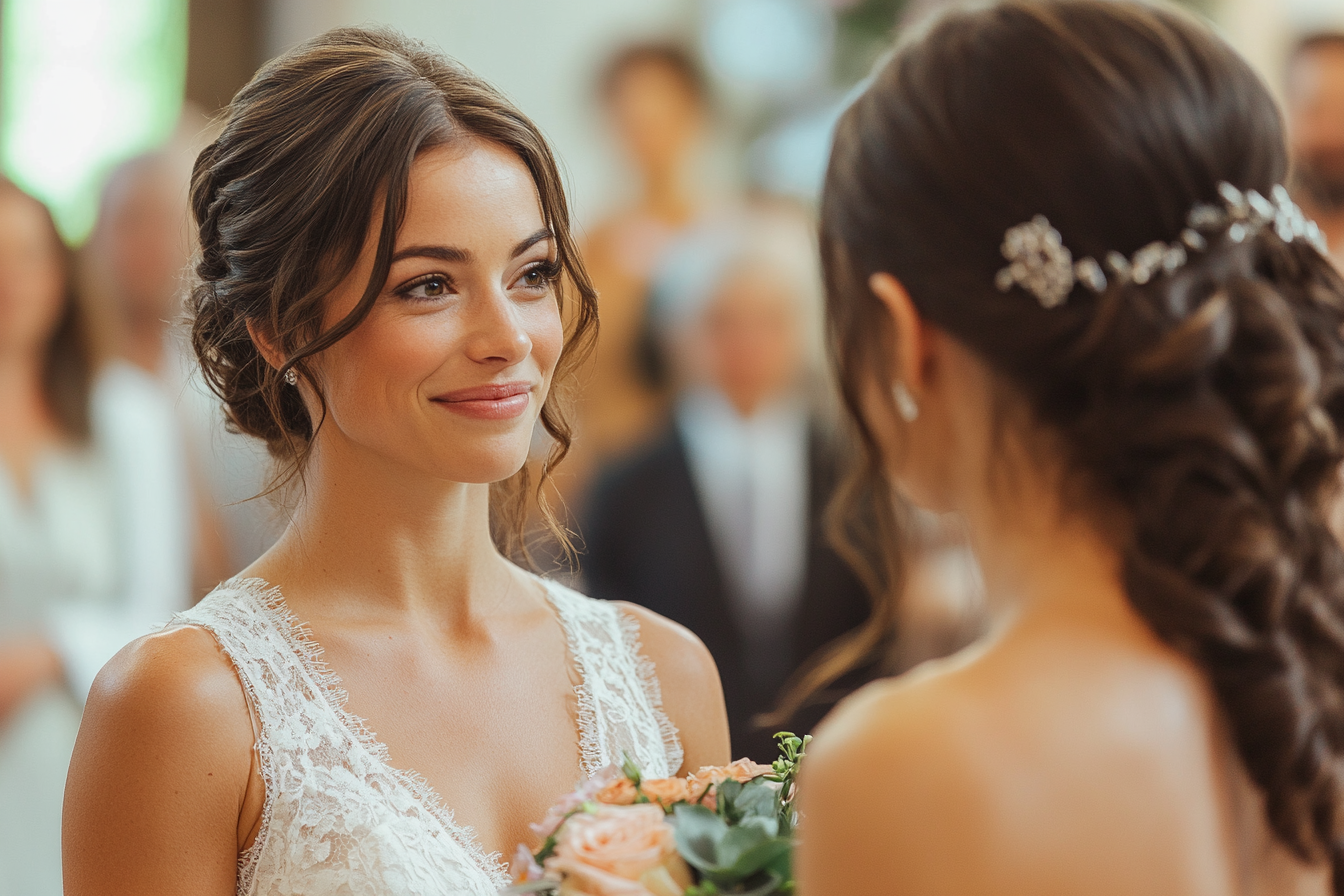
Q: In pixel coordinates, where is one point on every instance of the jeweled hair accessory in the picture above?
(1040, 263)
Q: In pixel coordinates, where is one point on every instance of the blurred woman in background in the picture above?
(657, 102)
(1070, 299)
(93, 517)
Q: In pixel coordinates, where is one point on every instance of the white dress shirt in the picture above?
(751, 477)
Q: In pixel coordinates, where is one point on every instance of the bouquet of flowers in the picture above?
(723, 830)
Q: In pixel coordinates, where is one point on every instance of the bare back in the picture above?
(1050, 762)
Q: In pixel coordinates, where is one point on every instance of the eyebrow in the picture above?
(454, 254)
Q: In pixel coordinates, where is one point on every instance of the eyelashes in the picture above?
(538, 277)
(548, 271)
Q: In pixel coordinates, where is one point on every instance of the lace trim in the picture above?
(298, 637)
(647, 673)
(591, 759)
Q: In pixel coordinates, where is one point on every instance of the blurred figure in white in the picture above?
(137, 259)
(94, 544)
(1314, 100)
(657, 102)
(717, 522)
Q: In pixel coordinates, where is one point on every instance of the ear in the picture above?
(911, 333)
(267, 349)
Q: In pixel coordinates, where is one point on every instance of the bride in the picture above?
(385, 250)
(1070, 301)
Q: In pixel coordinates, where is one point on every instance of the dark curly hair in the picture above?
(284, 199)
(1207, 404)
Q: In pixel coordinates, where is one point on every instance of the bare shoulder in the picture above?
(161, 769)
(184, 665)
(1078, 764)
(689, 681)
(890, 791)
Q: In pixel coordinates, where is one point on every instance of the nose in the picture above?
(497, 335)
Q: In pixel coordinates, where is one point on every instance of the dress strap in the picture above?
(620, 704)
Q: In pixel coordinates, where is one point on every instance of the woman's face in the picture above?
(32, 284)
(449, 371)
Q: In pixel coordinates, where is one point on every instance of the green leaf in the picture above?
(757, 797)
(631, 770)
(743, 858)
(771, 884)
(727, 800)
(698, 834)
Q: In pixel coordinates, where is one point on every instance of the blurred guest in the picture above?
(657, 102)
(1314, 100)
(136, 258)
(92, 523)
(716, 523)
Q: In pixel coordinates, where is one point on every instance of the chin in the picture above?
(482, 467)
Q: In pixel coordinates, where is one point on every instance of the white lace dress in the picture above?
(338, 820)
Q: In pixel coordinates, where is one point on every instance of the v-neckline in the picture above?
(298, 637)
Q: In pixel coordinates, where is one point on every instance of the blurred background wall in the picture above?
(779, 68)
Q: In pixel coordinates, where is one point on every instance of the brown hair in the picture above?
(1314, 42)
(284, 198)
(71, 357)
(673, 57)
(1207, 403)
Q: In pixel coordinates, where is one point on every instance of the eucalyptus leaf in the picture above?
(758, 797)
(698, 834)
(754, 859)
(770, 885)
(726, 796)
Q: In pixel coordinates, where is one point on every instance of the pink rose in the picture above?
(586, 791)
(619, 851)
(524, 868)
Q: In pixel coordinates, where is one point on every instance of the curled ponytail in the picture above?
(1206, 403)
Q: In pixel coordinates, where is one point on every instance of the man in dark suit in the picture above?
(717, 523)
(648, 542)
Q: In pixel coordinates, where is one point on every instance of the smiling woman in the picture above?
(381, 297)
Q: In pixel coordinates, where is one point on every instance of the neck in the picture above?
(371, 535)
(143, 343)
(1045, 566)
(666, 198)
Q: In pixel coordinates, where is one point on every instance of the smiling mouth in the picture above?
(496, 401)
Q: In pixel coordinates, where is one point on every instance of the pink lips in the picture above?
(495, 401)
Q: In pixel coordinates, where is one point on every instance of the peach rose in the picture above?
(666, 791)
(620, 792)
(619, 851)
(742, 771)
(663, 791)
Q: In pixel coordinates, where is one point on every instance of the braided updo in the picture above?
(283, 202)
(1207, 403)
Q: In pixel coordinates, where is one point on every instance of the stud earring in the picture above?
(291, 377)
(906, 405)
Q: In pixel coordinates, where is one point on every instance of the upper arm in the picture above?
(160, 773)
(692, 693)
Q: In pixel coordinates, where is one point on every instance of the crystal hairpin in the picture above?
(1040, 263)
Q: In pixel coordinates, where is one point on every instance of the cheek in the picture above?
(546, 330)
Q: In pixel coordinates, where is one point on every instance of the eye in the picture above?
(430, 286)
(540, 276)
